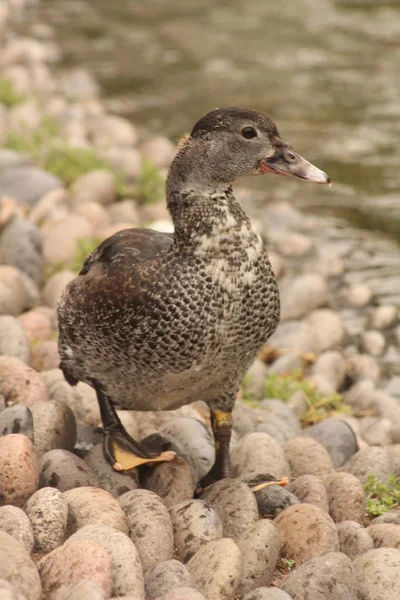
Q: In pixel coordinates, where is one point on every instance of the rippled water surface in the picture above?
(328, 72)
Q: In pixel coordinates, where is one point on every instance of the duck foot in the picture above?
(124, 453)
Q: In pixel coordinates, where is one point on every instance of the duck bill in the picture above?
(287, 162)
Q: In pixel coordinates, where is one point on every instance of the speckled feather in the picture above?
(162, 320)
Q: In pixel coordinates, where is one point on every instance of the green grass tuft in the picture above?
(84, 247)
(8, 95)
(381, 497)
(150, 184)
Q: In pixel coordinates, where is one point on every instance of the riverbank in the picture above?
(320, 408)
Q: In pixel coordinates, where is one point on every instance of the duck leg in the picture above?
(221, 423)
(119, 448)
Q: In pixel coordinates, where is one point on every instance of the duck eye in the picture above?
(249, 133)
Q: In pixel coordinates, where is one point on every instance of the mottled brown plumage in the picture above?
(155, 321)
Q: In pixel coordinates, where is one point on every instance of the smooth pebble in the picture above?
(47, 510)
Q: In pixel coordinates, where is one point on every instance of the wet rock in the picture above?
(150, 526)
(307, 457)
(17, 567)
(353, 539)
(13, 341)
(392, 516)
(372, 460)
(337, 437)
(60, 238)
(346, 497)
(306, 532)
(216, 569)
(259, 547)
(19, 473)
(93, 506)
(377, 574)
(54, 426)
(385, 535)
(301, 295)
(63, 470)
(16, 419)
(235, 504)
(127, 573)
(36, 325)
(273, 499)
(12, 291)
(328, 328)
(117, 483)
(90, 590)
(14, 521)
(195, 523)
(21, 247)
(19, 383)
(310, 489)
(328, 577)
(196, 440)
(47, 511)
(55, 286)
(77, 560)
(27, 184)
(373, 342)
(166, 577)
(258, 454)
(384, 316)
(96, 186)
(172, 481)
(45, 356)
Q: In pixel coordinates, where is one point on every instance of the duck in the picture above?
(154, 320)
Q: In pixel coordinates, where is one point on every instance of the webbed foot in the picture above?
(124, 453)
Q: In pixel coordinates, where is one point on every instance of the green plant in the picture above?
(288, 563)
(381, 497)
(8, 95)
(319, 406)
(150, 184)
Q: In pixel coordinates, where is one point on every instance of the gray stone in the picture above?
(127, 573)
(13, 341)
(47, 510)
(12, 291)
(216, 569)
(353, 539)
(273, 499)
(376, 431)
(96, 186)
(10, 159)
(63, 470)
(254, 379)
(306, 532)
(281, 409)
(27, 184)
(16, 419)
(372, 460)
(93, 506)
(337, 437)
(55, 286)
(54, 427)
(21, 247)
(166, 577)
(310, 489)
(346, 497)
(172, 481)
(295, 337)
(301, 295)
(392, 516)
(385, 535)
(328, 577)
(117, 483)
(112, 130)
(150, 526)
(14, 521)
(307, 457)
(235, 504)
(259, 546)
(195, 523)
(17, 567)
(377, 574)
(258, 454)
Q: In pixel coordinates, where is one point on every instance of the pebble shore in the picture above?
(71, 527)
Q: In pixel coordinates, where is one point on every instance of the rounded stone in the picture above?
(166, 577)
(373, 342)
(328, 327)
(235, 504)
(328, 577)
(385, 535)
(310, 489)
(12, 291)
(359, 294)
(346, 497)
(354, 539)
(7, 592)
(273, 499)
(115, 482)
(337, 437)
(95, 213)
(159, 150)
(302, 294)
(377, 574)
(17, 567)
(216, 569)
(194, 523)
(19, 383)
(95, 186)
(282, 410)
(13, 341)
(54, 426)
(306, 532)
(363, 366)
(63, 470)
(307, 457)
(14, 521)
(258, 454)
(384, 316)
(60, 238)
(47, 511)
(127, 572)
(259, 547)
(267, 593)
(93, 506)
(150, 526)
(84, 589)
(179, 594)
(371, 460)
(294, 245)
(36, 325)
(16, 419)
(55, 286)
(392, 516)
(19, 471)
(45, 356)
(72, 562)
(172, 481)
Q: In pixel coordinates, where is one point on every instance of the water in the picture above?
(326, 71)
